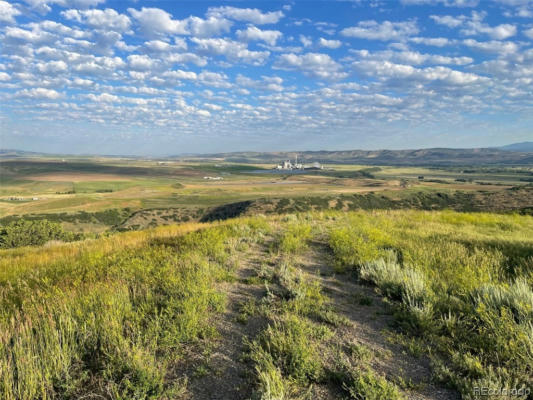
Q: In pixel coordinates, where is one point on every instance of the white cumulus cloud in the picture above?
(38, 93)
(384, 31)
(431, 41)
(140, 62)
(330, 44)
(52, 67)
(44, 6)
(474, 25)
(252, 15)
(492, 46)
(390, 70)
(208, 27)
(253, 33)
(312, 64)
(232, 50)
(100, 19)
(8, 12)
(156, 21)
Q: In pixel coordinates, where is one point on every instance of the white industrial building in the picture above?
(288, 165)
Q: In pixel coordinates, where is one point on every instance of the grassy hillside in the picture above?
(362, 305)
(516, 199)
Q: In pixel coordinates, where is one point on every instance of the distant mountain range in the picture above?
(8, 153)
(512, 154)
(522, 146)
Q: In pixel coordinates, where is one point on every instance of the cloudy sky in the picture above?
(171, 77)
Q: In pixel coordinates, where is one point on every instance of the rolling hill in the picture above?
(513, 154)
(436, 156)
(523, 147)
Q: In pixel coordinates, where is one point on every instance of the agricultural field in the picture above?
(136, 194)
(382, 304)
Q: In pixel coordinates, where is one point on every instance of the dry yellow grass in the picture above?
(14, 262)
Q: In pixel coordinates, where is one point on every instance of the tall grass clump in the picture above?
(287, 357)
(516, 297)
(354, 245)
(271, 383)
(301, 295)
(292, 344)
(451, 264)
(364, 383)
(107, 333)
(295, 238)
(352, 371)
(403, 284)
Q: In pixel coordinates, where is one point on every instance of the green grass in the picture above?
(116, 316)
(364, 384)
(291, 346)
(459, 293)
(295, 238)
(112, 323)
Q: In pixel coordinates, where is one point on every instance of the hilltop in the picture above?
(326, 305)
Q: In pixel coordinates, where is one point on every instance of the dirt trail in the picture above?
(368, 325)
(221, 372)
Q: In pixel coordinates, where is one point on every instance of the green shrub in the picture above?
(399, 283)
(32, 233)
(517, 297)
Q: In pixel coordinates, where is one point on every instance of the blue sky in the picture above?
(172, 77)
